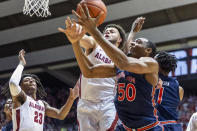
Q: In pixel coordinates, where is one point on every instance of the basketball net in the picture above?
(39, 8)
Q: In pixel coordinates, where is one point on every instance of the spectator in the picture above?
(8, 113)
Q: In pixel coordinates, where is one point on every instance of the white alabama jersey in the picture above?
(29, 116)
(192, 125)
(96, 89)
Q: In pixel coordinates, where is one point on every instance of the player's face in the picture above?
(28, 84)
(112, 34)
(138, 48)
(8, 106)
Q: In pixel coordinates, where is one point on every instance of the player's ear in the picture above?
(119, 40)
(148, 50)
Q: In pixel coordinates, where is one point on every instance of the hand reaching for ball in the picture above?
(73, 31)
(95, 7)
(85, 20)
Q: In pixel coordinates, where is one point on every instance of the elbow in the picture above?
(12, 84)
(14, 88)
(122, 65)
(87, 74)
(61, 118)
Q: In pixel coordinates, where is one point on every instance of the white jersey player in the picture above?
(28, 113)
(29, 116)
(192, 125)
(96, 110)
(97, 89)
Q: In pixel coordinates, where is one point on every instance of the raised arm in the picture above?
(63, 112)
(17, 93)
(136, 27)
(140, 66)
(87, 68)
(90, 70)
(88, 43)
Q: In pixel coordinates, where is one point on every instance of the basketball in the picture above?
(94, 7)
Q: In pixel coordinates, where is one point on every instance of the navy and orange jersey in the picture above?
(134, 100)
(167, 98)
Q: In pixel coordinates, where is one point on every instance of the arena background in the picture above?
(171, 24)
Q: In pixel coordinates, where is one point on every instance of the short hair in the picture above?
(40, 89)
(152, 45)
(121, 32)
(167, 62)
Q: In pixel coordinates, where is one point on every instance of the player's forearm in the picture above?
(15, 79)
(86, 60)
(131, 36)
(82, 60)
(86, 42)
(115, 54)
(63, 112)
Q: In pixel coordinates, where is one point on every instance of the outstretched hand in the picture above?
(74, 92)
(21, 57)
(137, 24)
(86, 20)
(73, 31)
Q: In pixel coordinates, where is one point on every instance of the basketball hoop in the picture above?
(39, 8)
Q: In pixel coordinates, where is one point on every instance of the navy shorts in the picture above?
(156, 128)
(173, 127)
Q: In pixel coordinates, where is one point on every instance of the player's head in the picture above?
(8, 108)
(142, 47)
(167, 62)
(31, 84)
(115, 34)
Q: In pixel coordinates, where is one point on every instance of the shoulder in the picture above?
(151, 62)
(148, 60)
(92, 47)
(45, 103)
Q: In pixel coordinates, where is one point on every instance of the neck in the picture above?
(115, 43)
(164, 73)
(31, 93)
(33, 96)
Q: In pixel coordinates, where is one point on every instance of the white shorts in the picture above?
(93, 116)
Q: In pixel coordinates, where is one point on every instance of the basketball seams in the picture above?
(94, 7)
(94, 11)
(92, 4)
(97, 13)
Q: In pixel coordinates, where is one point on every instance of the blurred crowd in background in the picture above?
(56, 97)
(187, 107)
